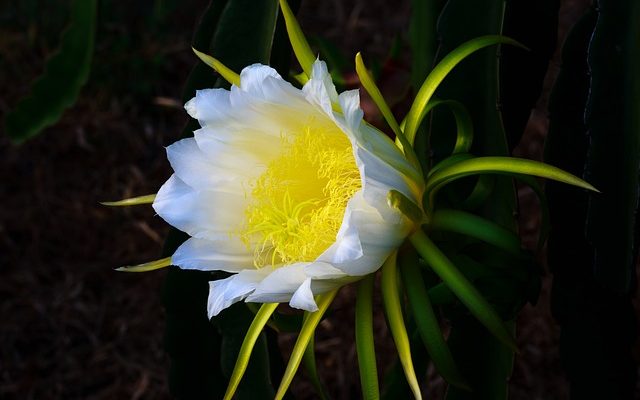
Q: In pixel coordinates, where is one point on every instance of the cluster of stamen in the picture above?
(298, 203)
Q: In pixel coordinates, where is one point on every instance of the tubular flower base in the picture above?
(284, 188)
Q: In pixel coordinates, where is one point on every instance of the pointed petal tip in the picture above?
(133, 201)
(145, 267)
(229, 75)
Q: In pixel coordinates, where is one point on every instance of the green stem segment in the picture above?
(364, 339)
(461, 287)
(260, 320)
(428, 327)
(307, 331)
(393, 309)
(309, 362)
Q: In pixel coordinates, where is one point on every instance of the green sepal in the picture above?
(426, 320)
(309, 325)
(461, 287)
(437, 75)
(298, 41)
(364, 339)
(496, 165)
(242, 361)
(393, 309)
(476, 227)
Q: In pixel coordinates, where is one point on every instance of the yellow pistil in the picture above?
(299, 201)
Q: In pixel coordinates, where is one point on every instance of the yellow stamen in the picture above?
(299, 201)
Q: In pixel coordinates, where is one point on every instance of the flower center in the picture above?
(298, 203)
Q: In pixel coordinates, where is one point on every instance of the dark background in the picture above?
(70, 326)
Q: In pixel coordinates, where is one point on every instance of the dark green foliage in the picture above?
(193, 344)
(65, 74)
(422, 38)
(613, 121)
(232, 324)
(507, 281)
(475, 84)
(535, 25)
(482, 360)
(238, 33)
(592, 247)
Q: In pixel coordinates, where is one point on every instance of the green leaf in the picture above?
(476, 83)
(497, 165)
(476, 227)
(464, 125)
(427, 322)
(393, 309)
(65, 74)
(301, 47)
(307, 331)
(462, 288)
(364, 339)
(449, 161)
(437, 75)
(228, 75)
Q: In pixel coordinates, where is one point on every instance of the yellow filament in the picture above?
(298, 203)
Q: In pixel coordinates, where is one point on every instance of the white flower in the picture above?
(284, 188)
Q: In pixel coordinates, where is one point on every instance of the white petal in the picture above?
(205, 214)
(230, 255)
(236, 155)
(320, 89)
(303, 297)
(366, 228)
(350, 104)
(280, 284)
(321, 270)
(379, 179)
(278, 109)
(225, 292)
(252, 78)
(381, 146)
(210, 104)
(348, 245)
(192, 166)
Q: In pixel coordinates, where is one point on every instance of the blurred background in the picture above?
(71, 327)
